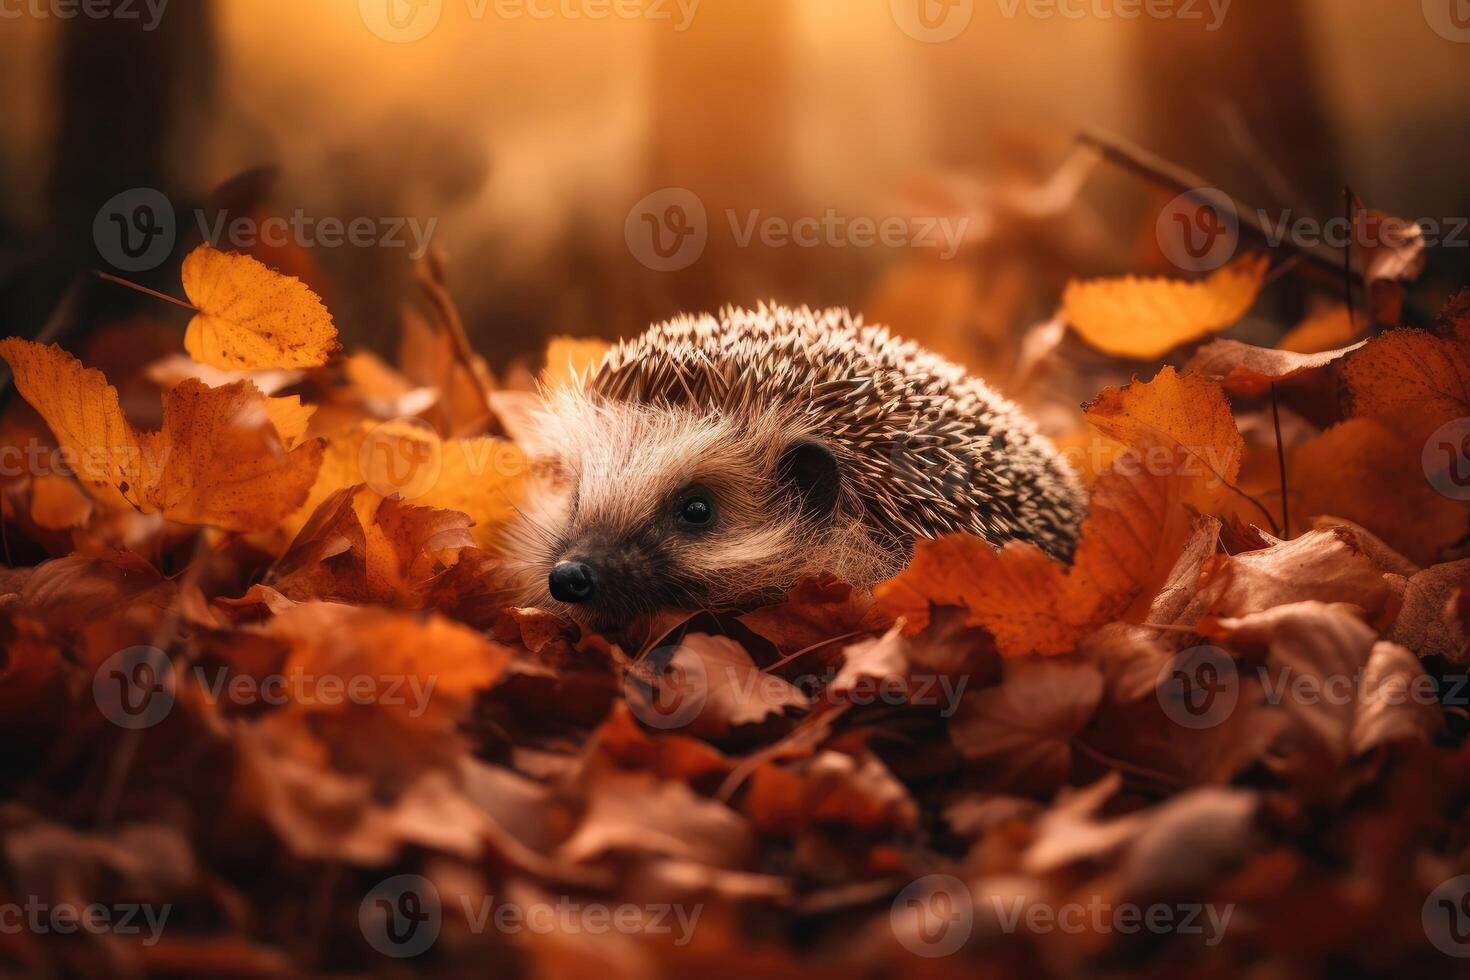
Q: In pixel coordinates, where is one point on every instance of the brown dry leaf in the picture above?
(829, 788)
(1185, 456)
(1416, 379)
(218, 459)
(1324, 565)
(714, 676)
(815, 612)
(1322, 673)
(1425, 623)
(1146, 318)
(360, 547)
(637, 813)
(1247, 370)
(252, 318)
(569, 359)
(1369, 473)
(1390, 252)
(1021, 730)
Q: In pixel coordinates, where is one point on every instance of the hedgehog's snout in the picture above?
(573, 582)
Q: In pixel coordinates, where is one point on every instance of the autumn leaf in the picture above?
(252, 318)
(1184, 456)
(1390, 252)
(1146, 318)
(1248, 370)
(1328, 329)
(1366, 471)
(218, 459)
(569, 359)
(1417, 379)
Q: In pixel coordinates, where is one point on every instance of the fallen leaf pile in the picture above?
(261, 685)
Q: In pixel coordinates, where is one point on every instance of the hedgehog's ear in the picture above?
(808, 470)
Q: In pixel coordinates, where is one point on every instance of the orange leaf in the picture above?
(1147, 318)
(1184, 454)
(251, 317)
(218, 459)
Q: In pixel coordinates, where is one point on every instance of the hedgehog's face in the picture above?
(664, 508)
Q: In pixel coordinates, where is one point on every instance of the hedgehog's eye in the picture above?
(695, 508)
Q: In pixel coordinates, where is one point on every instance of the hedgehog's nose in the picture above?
(572, 581)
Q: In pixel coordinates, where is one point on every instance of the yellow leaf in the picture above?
(251, 317)
(1147, 318)
(1322, 331)
(570, 358)
(483, 477)
(218, 459)
(84, 414)
(290, 418)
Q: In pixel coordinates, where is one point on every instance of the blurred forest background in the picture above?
(528, 140)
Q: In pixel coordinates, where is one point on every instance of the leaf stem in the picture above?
(144, 290)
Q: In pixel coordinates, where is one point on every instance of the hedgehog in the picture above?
(716, 461)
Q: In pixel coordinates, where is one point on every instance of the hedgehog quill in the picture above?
(713, 462)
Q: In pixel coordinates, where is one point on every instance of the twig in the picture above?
(144, 290)
(1159, 171)
(1281, 465)
(431, 280)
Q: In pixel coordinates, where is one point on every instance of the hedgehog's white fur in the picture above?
(923, 450)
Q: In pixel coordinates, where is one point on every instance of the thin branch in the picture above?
(1281, 465)
(144, 290)
(1157, 170)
